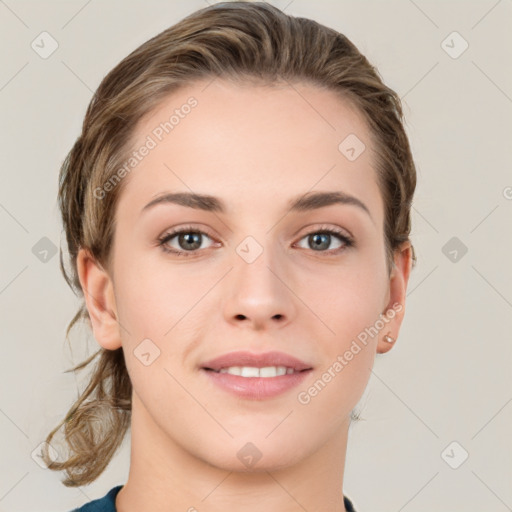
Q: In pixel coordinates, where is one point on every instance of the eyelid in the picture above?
(170, 233)
(314, 228)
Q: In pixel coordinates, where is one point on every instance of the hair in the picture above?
(246, 42)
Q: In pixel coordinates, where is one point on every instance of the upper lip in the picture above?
(257, 360)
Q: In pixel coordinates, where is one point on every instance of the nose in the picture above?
(259, 294)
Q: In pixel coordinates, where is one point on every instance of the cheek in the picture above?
(347, 299)
(355, 309)
(155, 294)
(349, 309)
(349, 303)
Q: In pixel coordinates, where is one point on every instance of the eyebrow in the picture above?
(305, 202)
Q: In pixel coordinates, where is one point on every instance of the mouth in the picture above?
(254, 371)
(256, 376)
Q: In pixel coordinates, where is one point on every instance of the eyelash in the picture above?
(166, 237)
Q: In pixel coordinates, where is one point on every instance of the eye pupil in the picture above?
(318, 242)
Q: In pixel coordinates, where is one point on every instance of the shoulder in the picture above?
(105, 504)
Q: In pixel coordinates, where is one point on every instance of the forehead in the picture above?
(247, 142)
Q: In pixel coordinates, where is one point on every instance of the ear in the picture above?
(99, 297)
(397, 292)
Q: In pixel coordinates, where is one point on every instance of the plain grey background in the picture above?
(443, 391)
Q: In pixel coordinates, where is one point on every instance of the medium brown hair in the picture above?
(240, 41)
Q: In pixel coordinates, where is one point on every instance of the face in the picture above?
(268, 262)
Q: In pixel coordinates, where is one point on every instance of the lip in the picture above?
(256, 388)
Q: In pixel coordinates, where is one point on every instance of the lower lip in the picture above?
(256, 388)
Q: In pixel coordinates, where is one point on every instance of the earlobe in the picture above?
(395, 309)
(99, 297)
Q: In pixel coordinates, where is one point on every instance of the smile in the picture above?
(252, 371)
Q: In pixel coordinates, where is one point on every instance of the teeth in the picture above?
(251, 371)
(248, 371)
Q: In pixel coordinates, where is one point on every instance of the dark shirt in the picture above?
(105, 504)
(108, 503)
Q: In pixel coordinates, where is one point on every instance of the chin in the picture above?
(255, 454)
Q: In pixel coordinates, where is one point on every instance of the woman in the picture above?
(237, 213)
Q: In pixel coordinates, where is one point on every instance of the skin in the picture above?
(255, 148)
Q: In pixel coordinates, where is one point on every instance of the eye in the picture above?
(320, 240)
(188, 239)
